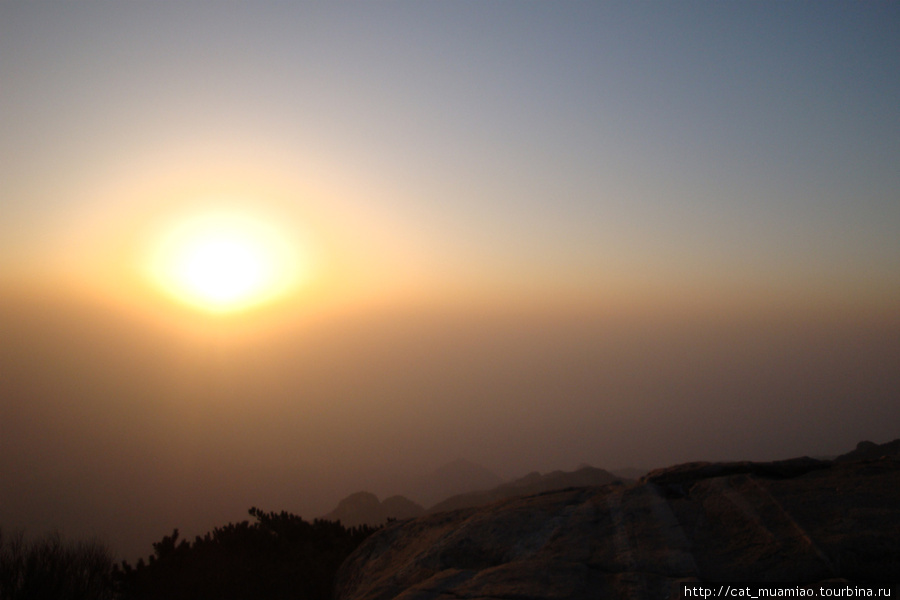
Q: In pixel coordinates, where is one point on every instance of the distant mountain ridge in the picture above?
(533, 483)
(870, 450)
(456, 477)
(364, 508)
(629, 472)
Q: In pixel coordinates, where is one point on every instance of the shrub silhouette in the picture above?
(50, 568)
(279, 556)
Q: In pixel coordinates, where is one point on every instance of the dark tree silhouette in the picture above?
(279, 556)
(50, 568)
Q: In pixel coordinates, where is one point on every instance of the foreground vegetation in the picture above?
(50, 568)
(277, 556)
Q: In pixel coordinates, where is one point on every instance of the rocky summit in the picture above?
(801, 520)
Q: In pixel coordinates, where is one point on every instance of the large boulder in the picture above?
(796, 521)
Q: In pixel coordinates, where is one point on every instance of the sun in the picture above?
(222, 269)
(223, 262)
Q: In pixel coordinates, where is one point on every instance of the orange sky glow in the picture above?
(270, 254)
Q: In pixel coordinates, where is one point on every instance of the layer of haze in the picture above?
(532, 234)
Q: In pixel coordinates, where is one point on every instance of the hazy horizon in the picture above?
(529, 235)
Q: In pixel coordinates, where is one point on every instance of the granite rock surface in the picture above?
(801, 520)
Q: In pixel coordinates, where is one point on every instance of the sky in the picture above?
(532, 235)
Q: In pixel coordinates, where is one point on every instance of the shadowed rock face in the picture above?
(799, 521)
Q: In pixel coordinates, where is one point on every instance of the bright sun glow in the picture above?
(225, 262)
